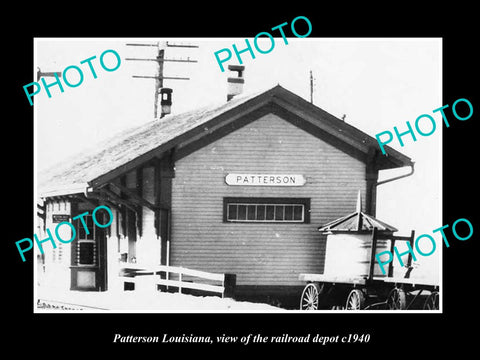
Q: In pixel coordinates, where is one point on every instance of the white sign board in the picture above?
(264, 180)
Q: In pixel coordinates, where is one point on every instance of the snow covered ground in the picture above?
(140, 301)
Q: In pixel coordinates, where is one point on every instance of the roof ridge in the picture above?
(116, 154)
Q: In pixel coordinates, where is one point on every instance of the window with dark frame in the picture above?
(266, 210)
(86, 254)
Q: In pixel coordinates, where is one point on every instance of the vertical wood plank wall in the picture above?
(260, 254)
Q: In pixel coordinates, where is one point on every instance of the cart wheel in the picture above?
(355, 300)
(397, 300)
(432, 301)
(309, 299)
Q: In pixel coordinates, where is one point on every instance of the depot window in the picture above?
(86, 251)
(266, 210)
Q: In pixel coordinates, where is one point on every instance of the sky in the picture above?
(377, 83)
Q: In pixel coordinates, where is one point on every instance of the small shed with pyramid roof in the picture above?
(349, 244)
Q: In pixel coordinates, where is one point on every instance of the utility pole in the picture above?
(160, 60)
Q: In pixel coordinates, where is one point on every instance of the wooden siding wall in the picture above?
(260, 254)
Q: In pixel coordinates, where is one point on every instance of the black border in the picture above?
(406, 334)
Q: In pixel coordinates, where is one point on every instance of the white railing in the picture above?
(150, 276)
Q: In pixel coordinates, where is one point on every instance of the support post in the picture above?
(390, 264)
(409, 259)
(371, 177)
(164, 172)
(229, 283)
(373, 253)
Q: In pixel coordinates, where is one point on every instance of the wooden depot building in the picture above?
(238, 188)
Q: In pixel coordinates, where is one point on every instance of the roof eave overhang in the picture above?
(350, 135)
(203, 129)
(358, 143)
(77, 189)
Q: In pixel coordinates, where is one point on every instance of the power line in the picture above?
(160, 60)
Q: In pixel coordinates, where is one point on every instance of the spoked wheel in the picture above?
(397, 299)
(309, 299)
(355, 300)
(432, 301)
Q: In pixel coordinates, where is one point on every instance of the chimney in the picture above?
(165, 101)
(235, 84)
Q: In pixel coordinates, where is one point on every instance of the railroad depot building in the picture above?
(238, 188)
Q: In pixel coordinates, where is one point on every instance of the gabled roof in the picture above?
(187, 131)
(76, 173)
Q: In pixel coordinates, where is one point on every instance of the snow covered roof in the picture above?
(135, 146)
(75, 173)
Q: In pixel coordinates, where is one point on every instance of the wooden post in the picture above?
(180, 279)
(371, 176)
(409, 259)
(139, 190)
(164, 174)
(390, 264)
(229, 283)
(373, 253)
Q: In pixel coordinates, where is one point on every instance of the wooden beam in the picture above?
(118, 199)
(111, 204)
(409, 259)
(136, 197)
(390, 264)
(164, 171)
(86, 199)
(156, 195)
(102, 198)
(123, 180)
(139, 181)
(139, 189)
(373, 253)
(371, 177)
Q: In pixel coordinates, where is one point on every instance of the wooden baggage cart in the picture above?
(327, 291)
